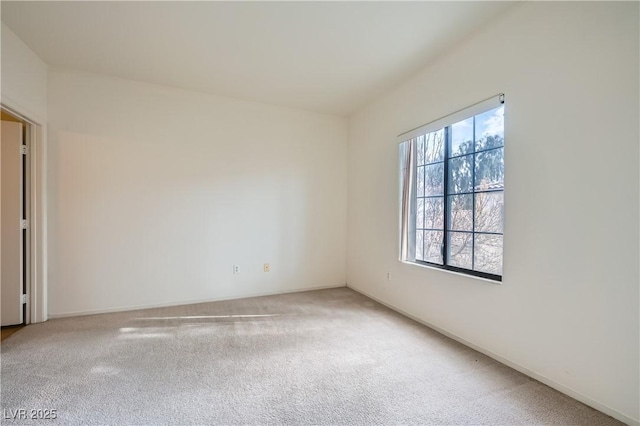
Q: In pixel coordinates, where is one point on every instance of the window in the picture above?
(452, 186)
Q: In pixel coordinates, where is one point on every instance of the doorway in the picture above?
(14, 220)
(33, 214)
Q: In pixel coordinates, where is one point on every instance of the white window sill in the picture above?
(460, 274)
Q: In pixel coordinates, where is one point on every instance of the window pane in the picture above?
(434, 213)
(434, 146)
(419, 255)
(420, 213)
(490, 211)
(490, 129)
(420, 150)
(460, 174)
(488, 253)
(461, 212)
(420, 181)
(433, 246)
(459, 249)
(461, 138)
(490, 170)
(434, 179)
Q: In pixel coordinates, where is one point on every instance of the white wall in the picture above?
(24, 78)
(567, 310)
(156, 192)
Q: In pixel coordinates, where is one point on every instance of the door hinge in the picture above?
(23, 149)
(23, 299)
(24, 224)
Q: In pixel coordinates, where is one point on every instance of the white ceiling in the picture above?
(329, 57)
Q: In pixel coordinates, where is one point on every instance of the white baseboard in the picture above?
(185, 302)
(557, 386)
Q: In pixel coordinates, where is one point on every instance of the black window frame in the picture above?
(445, 199)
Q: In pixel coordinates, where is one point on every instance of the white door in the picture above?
(11, 276)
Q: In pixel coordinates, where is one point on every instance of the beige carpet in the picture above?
(319, 357)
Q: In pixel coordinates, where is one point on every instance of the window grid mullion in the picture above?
(424, 192)
(484, 191)
(473, 199)
(482, 151)
(469, 232)
(445, 235)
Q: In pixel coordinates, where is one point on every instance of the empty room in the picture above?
(327, 213)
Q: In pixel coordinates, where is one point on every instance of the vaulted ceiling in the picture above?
(328, 57)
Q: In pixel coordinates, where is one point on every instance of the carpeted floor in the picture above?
(319, 357)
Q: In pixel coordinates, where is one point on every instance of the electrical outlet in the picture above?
(388, 276)
(236, 269)
(267, 267)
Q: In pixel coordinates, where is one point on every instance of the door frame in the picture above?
(36, 202)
